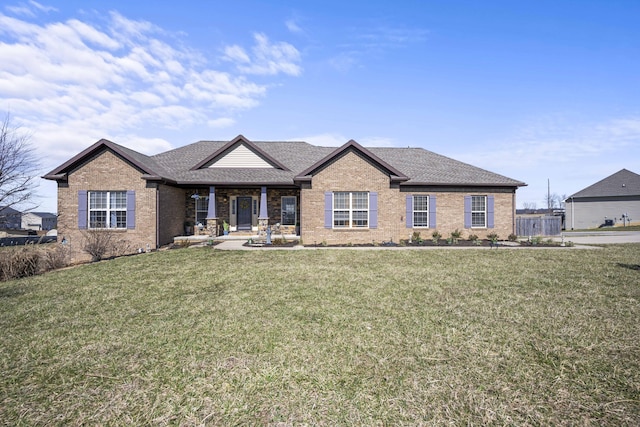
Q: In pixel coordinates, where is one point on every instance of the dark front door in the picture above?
(244, 213)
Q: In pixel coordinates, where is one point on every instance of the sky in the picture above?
(545, 92)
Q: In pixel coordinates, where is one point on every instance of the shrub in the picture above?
(493, 237)
(435, 236)
(456, 235)
(55, 257)
(512, 237)
(97, 243)
(19, 262)
(415, 237)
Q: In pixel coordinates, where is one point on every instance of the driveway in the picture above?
(600, 237)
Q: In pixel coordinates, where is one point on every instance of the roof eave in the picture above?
(351, 144)
(56, 177)
(103, 143)
(465, 184)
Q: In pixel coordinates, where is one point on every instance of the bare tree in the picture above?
(18, 167)
(529, 206)
(555, 200)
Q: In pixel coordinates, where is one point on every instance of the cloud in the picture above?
(27, 9)
(266, 58)
(362, 42)
(556, 148)
(75, 81)
(293, 26)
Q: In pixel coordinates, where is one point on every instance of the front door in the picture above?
(244, 213)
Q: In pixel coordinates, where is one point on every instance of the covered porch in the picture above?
(241, 212)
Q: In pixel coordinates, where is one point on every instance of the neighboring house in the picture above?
(614, 200)
(349, 194)
(39, 221)
(10, 218)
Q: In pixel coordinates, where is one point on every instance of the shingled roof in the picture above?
(187, 165)
(621, 183)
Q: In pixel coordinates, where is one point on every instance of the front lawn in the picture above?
(327, 337)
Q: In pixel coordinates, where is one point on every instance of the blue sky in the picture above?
(534, 90)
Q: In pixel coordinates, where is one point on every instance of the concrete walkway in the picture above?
(581, 240)
(600, 237)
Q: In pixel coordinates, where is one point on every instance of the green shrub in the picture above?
(493, 237)
(456, 235)
(435, 236)
(512, 237)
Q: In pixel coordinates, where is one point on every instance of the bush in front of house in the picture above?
(29, 260)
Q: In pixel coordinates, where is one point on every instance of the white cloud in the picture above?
(266, 58)
(28, 9)
(222, 122)
(556, 148)
(73, 82)
(293, 26)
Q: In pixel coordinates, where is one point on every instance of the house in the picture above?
(9, 218)
(39, 221)
(615, 200)
(349, 194)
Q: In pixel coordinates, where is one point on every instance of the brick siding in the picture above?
(352, 172)
(106, 172)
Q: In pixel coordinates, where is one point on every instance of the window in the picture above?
(202, 210)
(288, 214)
(421, 211)
(478, 211)
(107, 209)
(350, 209)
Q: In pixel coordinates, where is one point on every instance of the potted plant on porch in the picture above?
(188, 226)
(225, 228)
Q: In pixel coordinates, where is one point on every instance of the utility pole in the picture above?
(549, 196)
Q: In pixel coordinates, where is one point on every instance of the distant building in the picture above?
(39, 221)
(613, 201)
(10, 218)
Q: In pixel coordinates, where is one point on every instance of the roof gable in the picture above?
(352, 146)
(136, 159)
(240, 153)
(621, 183)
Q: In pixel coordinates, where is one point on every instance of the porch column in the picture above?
(212, 218)
(263, 217)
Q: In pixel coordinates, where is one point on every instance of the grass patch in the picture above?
(327, 337)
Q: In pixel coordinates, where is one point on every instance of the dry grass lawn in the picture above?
(327, 337)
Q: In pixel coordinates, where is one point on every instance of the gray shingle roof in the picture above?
(621, 183)
(421, 167)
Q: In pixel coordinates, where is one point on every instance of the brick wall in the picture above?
(106, 172)
(352, 172)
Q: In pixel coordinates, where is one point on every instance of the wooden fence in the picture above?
(539, 226)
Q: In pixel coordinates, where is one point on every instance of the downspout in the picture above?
(573, 212)
(513, 212)
(157, 216)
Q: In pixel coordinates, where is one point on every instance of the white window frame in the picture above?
(283, 212)
(421, 211)
(478, 211)
(350, 211)
(110, 207)
(202, 210)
